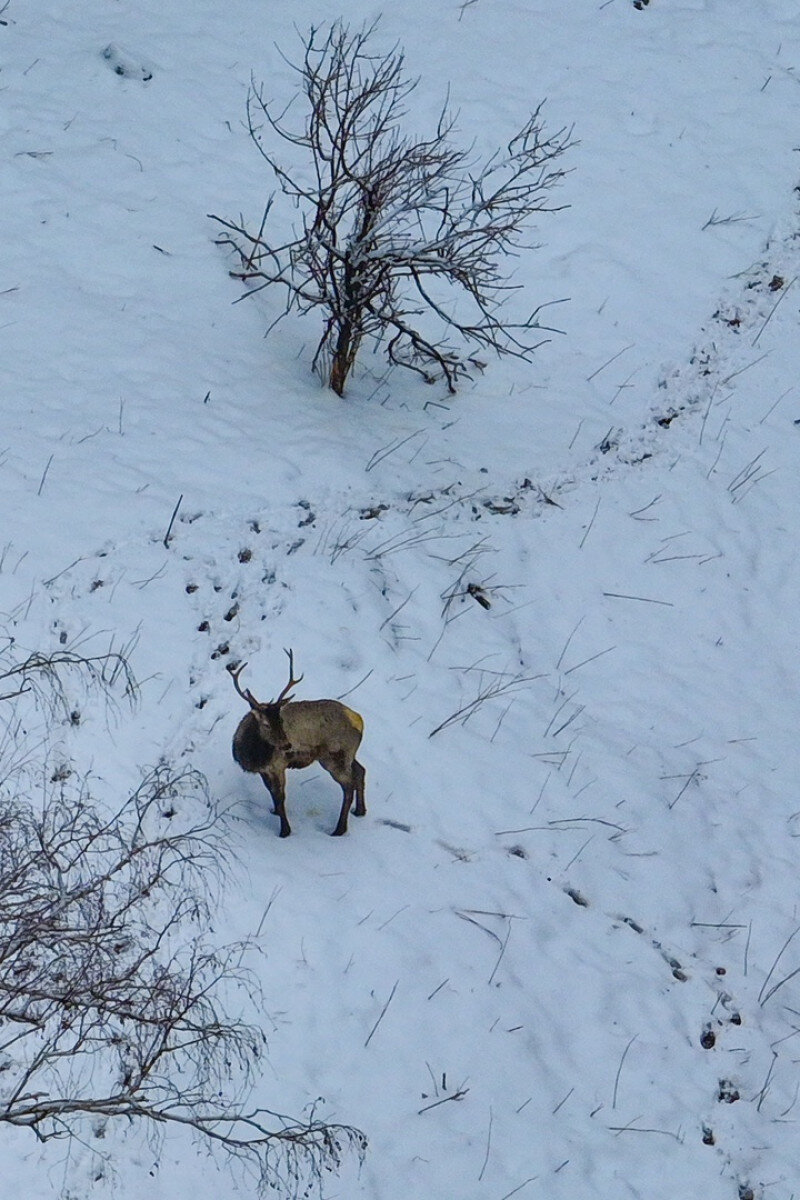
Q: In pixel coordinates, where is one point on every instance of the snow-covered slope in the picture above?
(580, 854)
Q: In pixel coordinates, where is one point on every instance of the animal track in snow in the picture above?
(129, 66)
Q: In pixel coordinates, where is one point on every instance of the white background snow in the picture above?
(562, 892)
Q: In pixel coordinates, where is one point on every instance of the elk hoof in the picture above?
(284, 833)
(338, 832)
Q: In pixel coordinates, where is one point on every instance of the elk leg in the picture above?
(359, 778)
(277, 791)
(337, 766)
(347, 800)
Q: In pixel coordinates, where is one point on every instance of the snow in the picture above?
(550, 901)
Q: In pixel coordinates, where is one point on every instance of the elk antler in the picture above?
(284, 698)
(247, 694)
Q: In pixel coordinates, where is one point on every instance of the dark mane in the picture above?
(250, 749)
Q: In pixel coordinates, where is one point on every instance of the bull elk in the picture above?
(287, 733)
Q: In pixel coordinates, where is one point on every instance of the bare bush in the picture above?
(111, 994)
(403, 242)
(43, 674)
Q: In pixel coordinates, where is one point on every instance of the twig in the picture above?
(579, 852)
(439, 988)
(525, 829)
(692, 777)
(613, 358)
(385, 451)
(560, 709)
(382, 1014)
(525, 1182)
(621, 387)
(488, 1145)
(141, 584)
(747, 472)
(172, 522)
(363, 679)
(619, 1071)
(609, 825)
(44, 476)
(762, 1001)
(569, 720)
(780, 984)
(575, 435)
(501, 718)
(733, 219)
(585, 661)
(750, 474)
(644, 599)
(742, 370)
(477, 924)
(772, 310)
(706, 415)
(400, 606)
(252, 941)
(713, 466)
(589, 526)
(714, 925)
(637, 1129)
(636, 511)
(772, 407)
(58, 575)
(489, 692)
(402, 908)
(566, 644)
(502, 952)
(786, 1037)
(747, 948)
(457, 1095)
(762, 1094)
(541, 793)
(789, 1107)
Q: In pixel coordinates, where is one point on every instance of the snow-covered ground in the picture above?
(566, 886)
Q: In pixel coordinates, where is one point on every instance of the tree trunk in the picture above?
(344, 355)
(348, 326)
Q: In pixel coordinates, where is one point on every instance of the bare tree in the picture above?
(111, 994)
(403, 242)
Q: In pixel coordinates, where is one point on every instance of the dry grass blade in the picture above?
(486, 692)
(382, 1014)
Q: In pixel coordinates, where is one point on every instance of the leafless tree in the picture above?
(403, 242)
(111, 994)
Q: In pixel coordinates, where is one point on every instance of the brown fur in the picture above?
(286, 735)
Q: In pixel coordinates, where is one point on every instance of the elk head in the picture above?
(268, 714)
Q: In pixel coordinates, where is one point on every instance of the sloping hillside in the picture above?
(556, 957)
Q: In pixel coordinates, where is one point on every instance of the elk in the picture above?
(287, 733)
